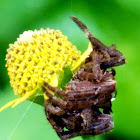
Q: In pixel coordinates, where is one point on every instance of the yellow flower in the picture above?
(36, 57)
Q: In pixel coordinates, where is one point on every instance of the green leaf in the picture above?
(38, 97)
(67, 76)
(60, 78)
(39, 100)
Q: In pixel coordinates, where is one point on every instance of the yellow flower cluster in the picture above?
(35, 58)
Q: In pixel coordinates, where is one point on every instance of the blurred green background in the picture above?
(112, 21)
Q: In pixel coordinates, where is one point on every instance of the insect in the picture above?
(78, 107)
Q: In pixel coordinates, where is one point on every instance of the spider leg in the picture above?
(72, 121)
(102, 125)
(108, 76)
(55, 90)
(86, 89)
(55, 125)
(54, 110)
(89, 76)
(87, 116)
(58, 101)
(87, 66)
(96, 66)
(85, 72)
(68, 134)
(102, 99)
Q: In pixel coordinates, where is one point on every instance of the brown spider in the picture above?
(91, 88)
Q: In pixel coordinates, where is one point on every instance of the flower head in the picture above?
(35, 58)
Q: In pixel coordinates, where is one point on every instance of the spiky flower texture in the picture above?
(36, 57)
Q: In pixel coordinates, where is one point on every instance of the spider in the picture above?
(91, 88)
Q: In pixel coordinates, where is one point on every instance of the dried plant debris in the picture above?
(75, 111)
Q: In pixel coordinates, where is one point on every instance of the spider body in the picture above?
(91, 88)
(77, 109)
